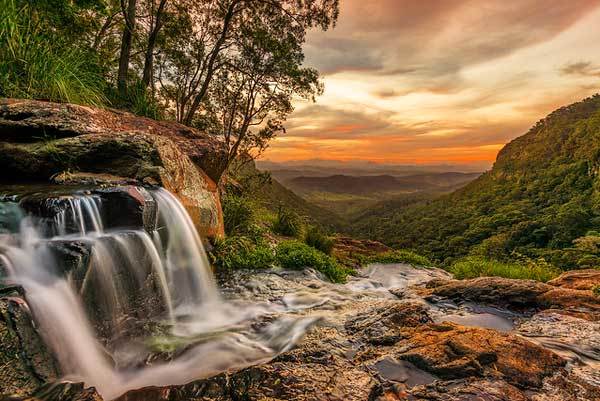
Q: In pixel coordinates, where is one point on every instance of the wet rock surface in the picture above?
(524, 295)
(377, 338)
(371, 345)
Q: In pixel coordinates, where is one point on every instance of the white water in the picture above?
(122, 263)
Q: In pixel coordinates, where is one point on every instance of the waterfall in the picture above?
(131, 275)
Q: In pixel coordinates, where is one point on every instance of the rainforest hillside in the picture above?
(540, 199)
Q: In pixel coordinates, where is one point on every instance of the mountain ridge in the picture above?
(542, 193)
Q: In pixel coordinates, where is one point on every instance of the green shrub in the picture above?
(398, 256)
(238, 252)
(238, 214)
(287, 223)
(37, 63)
(297, 255)
(316, 238)
(474, 266)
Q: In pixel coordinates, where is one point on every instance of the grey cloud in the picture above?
(581, 68)
(434, 40)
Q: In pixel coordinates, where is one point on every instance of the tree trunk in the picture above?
(126, 41)
(210, 70)
(149, 59)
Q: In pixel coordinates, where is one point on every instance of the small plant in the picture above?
(287, 223)
(474, 266)
(297, 255)
(239, 252)
(238, 215)
(596, 290)
(398, 256)
(316, 238)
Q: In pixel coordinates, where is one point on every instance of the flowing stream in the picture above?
(138, 307)
(133, 276)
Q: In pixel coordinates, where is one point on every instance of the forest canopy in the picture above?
(228, 67)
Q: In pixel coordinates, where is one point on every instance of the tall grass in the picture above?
(287, 223)
(37, 63)
(316, 238)
(476, 266)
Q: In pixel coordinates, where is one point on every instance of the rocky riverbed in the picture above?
(403, 333)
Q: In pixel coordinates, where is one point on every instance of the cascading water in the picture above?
(90, 316)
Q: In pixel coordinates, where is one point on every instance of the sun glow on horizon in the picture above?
(409, 82)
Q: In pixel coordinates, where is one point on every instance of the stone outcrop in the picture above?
(570, 293)
(70, 144)
(578, 279)
(451, 351)
(25, 362)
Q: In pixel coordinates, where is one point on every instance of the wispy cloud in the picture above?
(411, 79)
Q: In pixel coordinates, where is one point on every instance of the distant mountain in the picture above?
(366, 185)
(542, 193)
(285, 171)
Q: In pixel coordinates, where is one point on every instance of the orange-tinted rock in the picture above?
(578, 279)
(491, 290)
(450, 351)
(568, 299)
(43, 141)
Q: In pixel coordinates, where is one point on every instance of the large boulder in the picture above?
(65, 143)
(451, 351)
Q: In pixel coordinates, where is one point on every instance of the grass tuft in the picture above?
(398, 256)
(296, 255)
(316, 238)
(475, 266)
(287, 223)
(239, 252)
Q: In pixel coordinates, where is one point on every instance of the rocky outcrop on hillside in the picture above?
(71, 144)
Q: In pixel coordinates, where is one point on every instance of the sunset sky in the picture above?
(441, 81)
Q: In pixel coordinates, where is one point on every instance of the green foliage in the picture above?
(238, 214)
(138, 100)
(398, 256)
(297, 255)
(37, 62)
(476, 266)
(596, 290)
(287, 223)
(542, 194)
(239, 252)
(316, 238)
